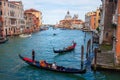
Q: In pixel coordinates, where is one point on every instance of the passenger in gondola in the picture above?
(33, 55)
(54, 66)
(43, 63)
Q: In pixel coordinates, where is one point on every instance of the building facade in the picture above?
(109, 26)
(32, 23)
(12, 17)
(109, 10)
(71, 22)
(101, 25)
(116, 34)
(37, 13)
(92, 20)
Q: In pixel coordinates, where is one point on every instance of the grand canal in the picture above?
(13, 68)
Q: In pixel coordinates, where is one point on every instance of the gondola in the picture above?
(68, 49)
(3, 40)
(49, 67)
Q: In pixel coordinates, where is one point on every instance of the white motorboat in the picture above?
(25, 35)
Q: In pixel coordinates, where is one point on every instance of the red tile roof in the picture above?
(31, 10)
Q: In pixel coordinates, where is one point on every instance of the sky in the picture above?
(55, 10)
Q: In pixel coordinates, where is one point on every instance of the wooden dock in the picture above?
(105, 62)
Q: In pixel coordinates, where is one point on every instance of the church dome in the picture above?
(68, 16)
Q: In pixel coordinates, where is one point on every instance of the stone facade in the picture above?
(71, 23)
(12, 17)
(109, 8)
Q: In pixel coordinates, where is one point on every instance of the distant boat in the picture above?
(49, 66)
(54, 34)
(3, 40)
(68, 49)
(25, 35)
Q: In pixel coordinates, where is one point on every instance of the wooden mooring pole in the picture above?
(95, 58)
(88, 49)
(82, 56)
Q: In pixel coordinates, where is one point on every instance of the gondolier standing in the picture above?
(33, 55)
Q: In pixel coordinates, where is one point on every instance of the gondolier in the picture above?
(33, 55)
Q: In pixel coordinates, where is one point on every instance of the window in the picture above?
(0, 12)
(12, 13)
(99, 21)
(99, 13)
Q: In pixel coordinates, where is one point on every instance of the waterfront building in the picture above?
(11, 17)
(38, 15)
(98, 15)
(108, 9)
(92, 20)
(109, 26)
(116, 34)
(71, 23)
(32, 21)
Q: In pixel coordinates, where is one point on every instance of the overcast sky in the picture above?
(55, 10)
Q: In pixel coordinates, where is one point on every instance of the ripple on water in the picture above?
(11, 67)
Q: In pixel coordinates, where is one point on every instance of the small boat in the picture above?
(68, 49)
(25, 35)
(54, 34)
(3, 40)
(49, 67)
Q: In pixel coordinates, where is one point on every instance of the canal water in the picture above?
(13, 68)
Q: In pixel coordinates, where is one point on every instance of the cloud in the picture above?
(56, 9)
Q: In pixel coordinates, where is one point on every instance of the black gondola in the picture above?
(68, 49)
(3, 40)
(49, 66)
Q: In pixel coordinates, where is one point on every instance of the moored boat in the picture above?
(3, 40)
(49, 66)
(68, 49)
(25, 35)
